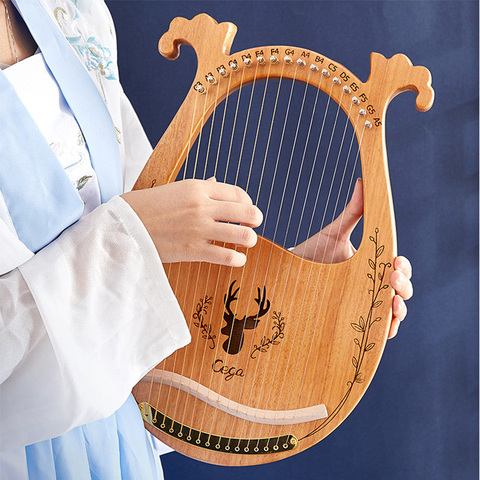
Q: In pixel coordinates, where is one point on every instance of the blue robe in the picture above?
(42, 203)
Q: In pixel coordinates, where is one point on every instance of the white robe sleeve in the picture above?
(81, 323)
(86, 317)
(13, 251)
(135, 144)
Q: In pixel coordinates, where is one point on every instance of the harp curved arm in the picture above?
(200, 33)
(402, 76)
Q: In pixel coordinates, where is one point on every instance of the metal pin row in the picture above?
(288, 61)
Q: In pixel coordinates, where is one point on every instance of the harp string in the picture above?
(225, 178)
(278, 218)
(190, 265)
(204, 294)
(305, 200)
(267, 149)
(333, 253)
(328, 266)
(210, 267)
(299, 176)
(295, 334)
(258, 192)
(351, 184)
(169, 265)
(244, 138)
(269, 202)
(202, 123)
(246, 188)
(317, 92)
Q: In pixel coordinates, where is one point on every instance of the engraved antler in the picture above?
(231, 297)
(401, 76)
(201, 32)
(252, 320)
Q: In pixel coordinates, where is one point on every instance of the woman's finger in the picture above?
(238, 235)
(342, 227)
(241, 213)
(226, 192)
(404, 265)
(402, 285)
(223, 256)
(393, 328)
(399, 308)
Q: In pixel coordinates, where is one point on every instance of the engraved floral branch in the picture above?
(199, 315)
(279, 327)
(377, 277)
(363, 326)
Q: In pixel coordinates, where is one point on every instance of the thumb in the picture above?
(342, 227)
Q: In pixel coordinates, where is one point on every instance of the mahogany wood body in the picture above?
(327, 323)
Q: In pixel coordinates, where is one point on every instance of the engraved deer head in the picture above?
(235, 327)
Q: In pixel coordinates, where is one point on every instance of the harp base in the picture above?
(244, 446)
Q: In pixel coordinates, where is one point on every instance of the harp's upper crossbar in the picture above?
(220, 74)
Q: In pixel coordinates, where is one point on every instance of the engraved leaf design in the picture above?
(362, 322)
(355, 362)
(379, 251)
(377, 303)
(369, 346)
(371, 263)
(356, 327)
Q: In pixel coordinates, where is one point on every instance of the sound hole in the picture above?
(291, 147)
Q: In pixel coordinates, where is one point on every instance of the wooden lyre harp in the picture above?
(298, 365)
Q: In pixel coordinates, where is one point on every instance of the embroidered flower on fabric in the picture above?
(83, 181)
(97, 58)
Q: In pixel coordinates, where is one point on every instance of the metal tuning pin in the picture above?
(247, 62)
(362, 112)
(301, 63)
(223, 72)
(355, 101)
(368, 124)
(287, 60)
(336, 81)
(211, 79)
(347, 90)
(233, 65)
(313, 68)
(325, 73)
(274, 59)
(200, 88)
(261, 60)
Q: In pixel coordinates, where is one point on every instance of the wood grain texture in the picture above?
(322, 336)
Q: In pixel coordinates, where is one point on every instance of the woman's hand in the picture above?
(400, 281)
(332, 245)
(184, 219)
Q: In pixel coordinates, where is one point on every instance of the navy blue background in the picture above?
(419, 418)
